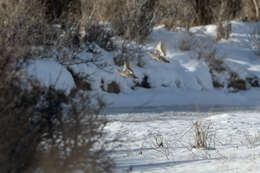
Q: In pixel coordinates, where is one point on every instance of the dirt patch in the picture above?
(80, 82)
(253, 81)
(113, 87)
(144, 83)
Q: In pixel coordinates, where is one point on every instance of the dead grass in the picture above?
(42, 128)
(251, 141)
(161, 145)
(203, 137)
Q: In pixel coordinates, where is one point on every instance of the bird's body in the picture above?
(128, 68)
(160, 52)
(161, 49)
(127, 72)
(156, 56)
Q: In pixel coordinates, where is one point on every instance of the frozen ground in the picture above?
(186, 80)
(234, 146)
(185, 84)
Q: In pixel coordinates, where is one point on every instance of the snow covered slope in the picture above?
(188, 79)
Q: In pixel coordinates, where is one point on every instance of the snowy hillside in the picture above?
(201, 70)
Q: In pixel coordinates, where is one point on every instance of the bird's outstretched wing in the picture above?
(127, 68)
(161, 48)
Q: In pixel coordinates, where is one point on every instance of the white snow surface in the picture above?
(50, 72)
(186, 80)
(234, 148)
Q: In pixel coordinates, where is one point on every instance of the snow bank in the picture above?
(185, 80)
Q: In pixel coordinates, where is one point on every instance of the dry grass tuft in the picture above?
(203, 137)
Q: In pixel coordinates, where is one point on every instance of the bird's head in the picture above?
(150, 52)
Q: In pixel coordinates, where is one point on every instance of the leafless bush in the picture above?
(62, 10)
(75, 140)
(250, 10)
(134, 20)
(161, 145)
(187, 43)
(206, 50)
(17, 147)
(203, 137)
(45, 129)
(16, 25)
(254, 40)
(251, 141)
(215, 63)
(186, 13)
(39, 123)
(101, 35)
(222, 15)
(23, 26)
(169, 12)
(129, 53)
(214, 9)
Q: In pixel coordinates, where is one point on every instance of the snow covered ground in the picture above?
(186, 80)
(234, 145)
(181, 93)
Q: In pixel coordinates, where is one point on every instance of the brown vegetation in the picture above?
(42, 128)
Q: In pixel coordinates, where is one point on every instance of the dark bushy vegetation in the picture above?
(41, 127)
(62, 9)
(133, 20)
(45, 129)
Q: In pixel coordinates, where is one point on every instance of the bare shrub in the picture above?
(161, 145)
(99, 34)
(223, 30)
(18, 21)
(129, 53)
(203, 137)
(62, 10)
(217, 69)
(206, 50)
(75, 140)
(23, 26)
(254, 40)
(222, 15)
(53, 133)
(250, 10)
(186, 13)
(251, 141)
(17, 146)
(169, 13)
(187, 43)
(42, 124)
(178, 13)
(209, 7)
(134, 20)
